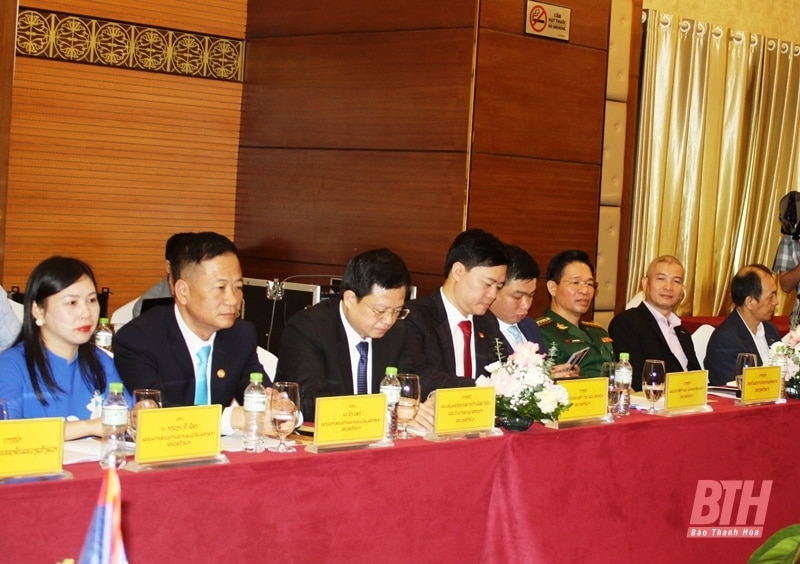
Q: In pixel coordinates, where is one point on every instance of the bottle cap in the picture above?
(624, 356)
(256, 377)
(391, 370)
(115, 387)
(104, 320)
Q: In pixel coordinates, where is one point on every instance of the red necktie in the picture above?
(466, 329)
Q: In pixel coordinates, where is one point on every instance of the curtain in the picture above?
(716, 151)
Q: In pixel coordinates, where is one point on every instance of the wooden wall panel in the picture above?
(323, 206)
(404, 90)
(106, 164)
(217, 17)
(589, 20)
(275, 18)
(539, 98)
(543, 206)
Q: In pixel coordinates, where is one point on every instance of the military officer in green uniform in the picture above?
(571, 285)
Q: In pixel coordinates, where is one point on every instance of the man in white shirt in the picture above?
(652, 330)
(747, 328)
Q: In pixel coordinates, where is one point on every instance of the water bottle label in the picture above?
(103, 340)
(392, 393)
(115, 415)
(623, 376)
(255, 402)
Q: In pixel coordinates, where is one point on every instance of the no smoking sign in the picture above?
(547, 20)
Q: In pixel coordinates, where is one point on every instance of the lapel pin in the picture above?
(221, 373)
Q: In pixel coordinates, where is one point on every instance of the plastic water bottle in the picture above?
(623, 377)
(255, 406)
(390, 386)
(779, 359)
(103, 334)
(115, 421)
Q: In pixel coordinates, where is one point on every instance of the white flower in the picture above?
(548, 400)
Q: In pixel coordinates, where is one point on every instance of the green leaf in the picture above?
(781, 548)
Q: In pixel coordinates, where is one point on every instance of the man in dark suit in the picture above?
(513, 302)
(451, 332)
(652, 330)
(162, 348)
(747, 328)
(321, 347)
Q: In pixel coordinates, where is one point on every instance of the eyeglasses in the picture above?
(390, 313)
(575, 284)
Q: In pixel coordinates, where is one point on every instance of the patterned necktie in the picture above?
(361, 380)
(514, 331)
(201, 376)
(466, 329)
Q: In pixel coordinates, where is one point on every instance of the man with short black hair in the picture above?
(451, 331)
(747, 328)
(322, 346)
(164, 287)
(571, 285)
(197, 351)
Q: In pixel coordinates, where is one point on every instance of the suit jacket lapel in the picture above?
(180, 352)
(444, 335)
(343, 353)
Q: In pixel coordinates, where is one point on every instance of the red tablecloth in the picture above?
(605, 493)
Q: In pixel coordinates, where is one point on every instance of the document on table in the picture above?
(641, 403)
(233, 442)
(87, 450)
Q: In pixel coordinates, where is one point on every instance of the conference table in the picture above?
(620, 492)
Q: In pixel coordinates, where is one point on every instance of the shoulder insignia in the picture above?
(593, 324)
(607, 340)
(542, 321)
(561, 327)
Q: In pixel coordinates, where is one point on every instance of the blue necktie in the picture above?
(361, 380)
(201, 376)
(514, 331)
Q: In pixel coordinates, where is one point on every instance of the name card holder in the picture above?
(32, 450)
(463, 413)
(177, 437)
(349, 423)
(589, 399)
(686, 393)
(760, 385)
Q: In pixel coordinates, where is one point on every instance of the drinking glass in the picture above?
(744, 360)
(144, 398)
(653, 377)
(409, 403)
(284, 413)
(607, 371)
(3, 410)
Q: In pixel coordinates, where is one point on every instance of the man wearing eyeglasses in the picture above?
(571, 285)
(342, 346)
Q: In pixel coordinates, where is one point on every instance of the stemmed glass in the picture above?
(653, 377)
(284, 413)
(144, 398)
(409, 403)
(607, 371)
(744, 360)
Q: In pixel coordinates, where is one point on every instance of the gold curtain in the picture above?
(717, 149)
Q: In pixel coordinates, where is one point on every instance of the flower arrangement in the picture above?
(523, 386)
(789, 346)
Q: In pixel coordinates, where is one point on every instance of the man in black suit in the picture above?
(321, 346)
(513, 302)
(747, 328)
(161, 348)
(451, 332)
(652, 330)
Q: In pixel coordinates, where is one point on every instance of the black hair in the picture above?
(172, 245)
(475, 247)
(377, 267)
(51, 276)
(747, 283)
(521, 265)
(557, 264)
(194, 248)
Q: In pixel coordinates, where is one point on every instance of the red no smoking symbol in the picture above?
(538, 18)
